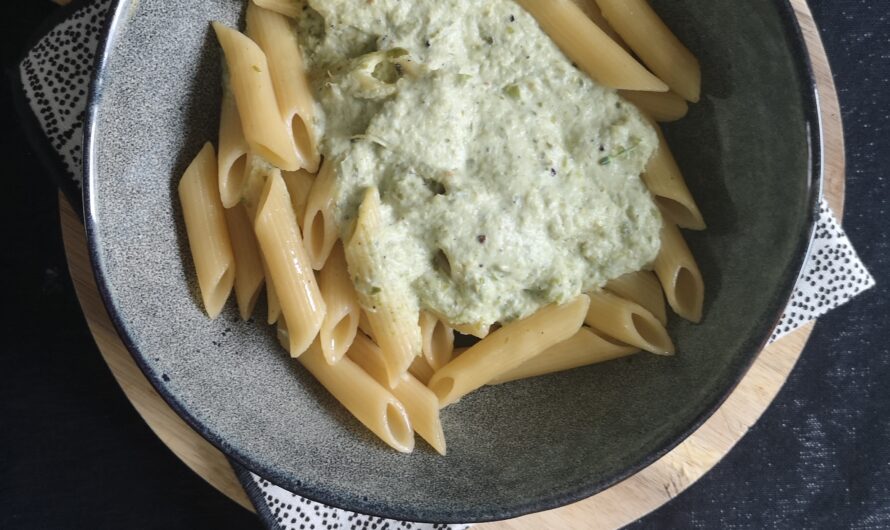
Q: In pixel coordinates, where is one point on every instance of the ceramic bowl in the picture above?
(750, 151)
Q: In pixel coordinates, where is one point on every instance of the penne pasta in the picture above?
(208, 236)
(655, 44)
(298, 185)
(232, 159)
(508, 348)
(594, 13)
(275, 35)
(265, 132)
(288, 8)
(364, 325)
(590, 47)
(319, 225)
(660, 106)
(627, 322)
(273, 314)
(679, 275)
(367, 400)
(421, 369)
(391, 315)
(666, 183)
(279, 239)
(420, 402)
(340, 324)
(584, 348)
(249, 274)
(641, 288)
(438, 340)
(480, 331)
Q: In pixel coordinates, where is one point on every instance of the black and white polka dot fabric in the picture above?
(292, 512)
(832, 276)
(55, 77)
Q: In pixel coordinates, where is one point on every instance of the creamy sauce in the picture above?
(509, 179)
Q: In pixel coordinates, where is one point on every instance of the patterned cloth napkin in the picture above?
(53, 81)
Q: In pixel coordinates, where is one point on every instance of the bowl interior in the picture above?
(746, 153)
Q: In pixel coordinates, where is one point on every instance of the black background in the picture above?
(74, 453)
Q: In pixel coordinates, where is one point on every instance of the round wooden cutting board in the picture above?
(617, 506)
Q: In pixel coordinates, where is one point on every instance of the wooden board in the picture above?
(612, 508)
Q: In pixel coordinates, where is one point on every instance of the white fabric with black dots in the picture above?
(55, 79)
(293, 512)
(832, 276)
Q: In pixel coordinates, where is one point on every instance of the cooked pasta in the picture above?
(251, 83)
(319, 226)
(273, 313)
(233, 150)
(666, 183)
(679, 275)
(394, 323)
(205, 224)
(660, 106)
(507, 348)
(421, 369)
(594, 13)
(370, 402)
(279, 238)
(340, 322)
(298, 185)
(438, 340)
(249, 273)
(655, 45)
(288, 8)
(274, 34)
(590, 47)
(584, 348)
(628, 323)
(420, 402)
(641, 287)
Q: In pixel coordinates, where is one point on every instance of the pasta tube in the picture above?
(249, 273)
(288, 8)
(642, 288)
(421, 369)
(666, 183)
(590, 47)
(232, 159)
(594, 13)
(679, 275)
(655, 44)
(275, 35)
(480, 331)
(265, 131)
(370, 402)
(508, 348)
(438, 340)
(298, 185)
(584, 348)
(208, 236)
(340, 324)
(391, 315)
(420, 402)
(273, 307)
(660, 106)
(628, 323)
(319, 226)
(279, 238)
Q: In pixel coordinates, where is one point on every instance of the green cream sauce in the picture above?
(509, 179)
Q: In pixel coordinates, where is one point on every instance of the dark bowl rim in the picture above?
(812, 115)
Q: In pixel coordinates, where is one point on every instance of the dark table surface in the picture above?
(75, 454)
